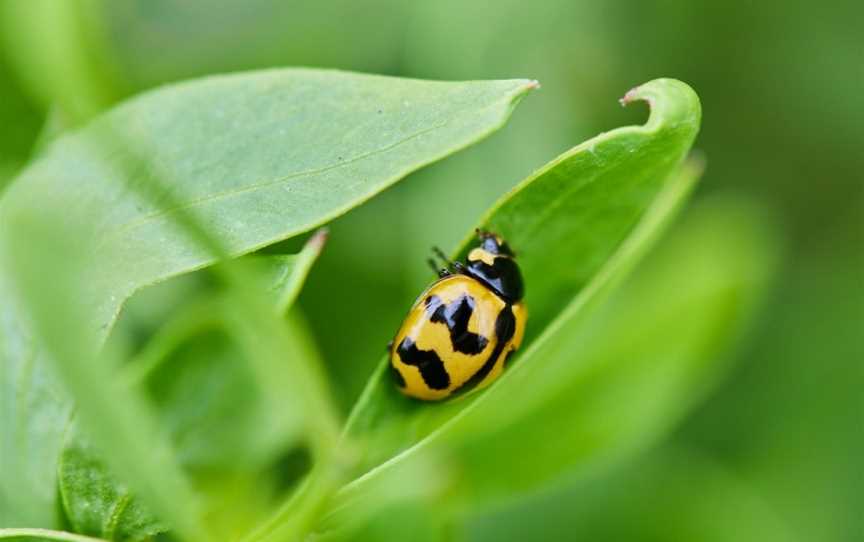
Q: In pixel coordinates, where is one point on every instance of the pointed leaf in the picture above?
(254, 158)
(592, 391)
(571, 224)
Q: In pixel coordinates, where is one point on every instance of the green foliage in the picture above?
(93, 501)
(70, 68)
(566, 222)
(35, 408)
(642, 361)
(625, 504)
(222, 426)
(224, 429)
(121, 240)
(773, 453)
(312, 169)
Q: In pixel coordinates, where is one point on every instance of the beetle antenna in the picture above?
(440, 253)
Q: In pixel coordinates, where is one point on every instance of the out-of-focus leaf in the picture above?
(411, 494)
(222, 36)
(32, 254)
(399, 521)
(573, 225)
(19, 118)
(224, 430)
(56, 123)
(254, 158)
(604, 388)
(667, 496)
(7, 173)
(797, 397)
(72, 69)
(218, 421)
(593, 392)
(34, 411)
(289, 272)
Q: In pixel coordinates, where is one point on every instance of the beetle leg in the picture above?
(448, 265)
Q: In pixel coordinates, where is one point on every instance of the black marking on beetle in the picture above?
(505, 327)
(455, 316)
(397, 376)
(427, 361)
(503, 277)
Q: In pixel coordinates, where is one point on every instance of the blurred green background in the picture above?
(776, 453)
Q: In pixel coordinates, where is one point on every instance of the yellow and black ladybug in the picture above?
(461, 330)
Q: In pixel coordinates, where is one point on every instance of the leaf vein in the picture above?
(265, 184)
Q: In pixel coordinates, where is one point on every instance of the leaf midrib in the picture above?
(141, 221)
(129, 226)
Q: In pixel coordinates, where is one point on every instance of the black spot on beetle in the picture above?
(430, 365)
(455, 316)
(505, 327)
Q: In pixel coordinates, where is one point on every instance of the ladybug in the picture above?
(463, 327)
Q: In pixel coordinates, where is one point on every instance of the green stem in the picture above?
(47, 534)
(298, 514)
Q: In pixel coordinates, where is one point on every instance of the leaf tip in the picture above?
(318, 240)
(525, 86)
(672, 103)
(629, 97)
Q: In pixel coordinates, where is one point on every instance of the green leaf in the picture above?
(667, 495)
(573, 225)
(94, 502)
(115, 416)
(253, 158)
(225, 431)
(121, 422)
(73, 68)
(290, 272)
(609, 386)
(34, 411)
(594, 392)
